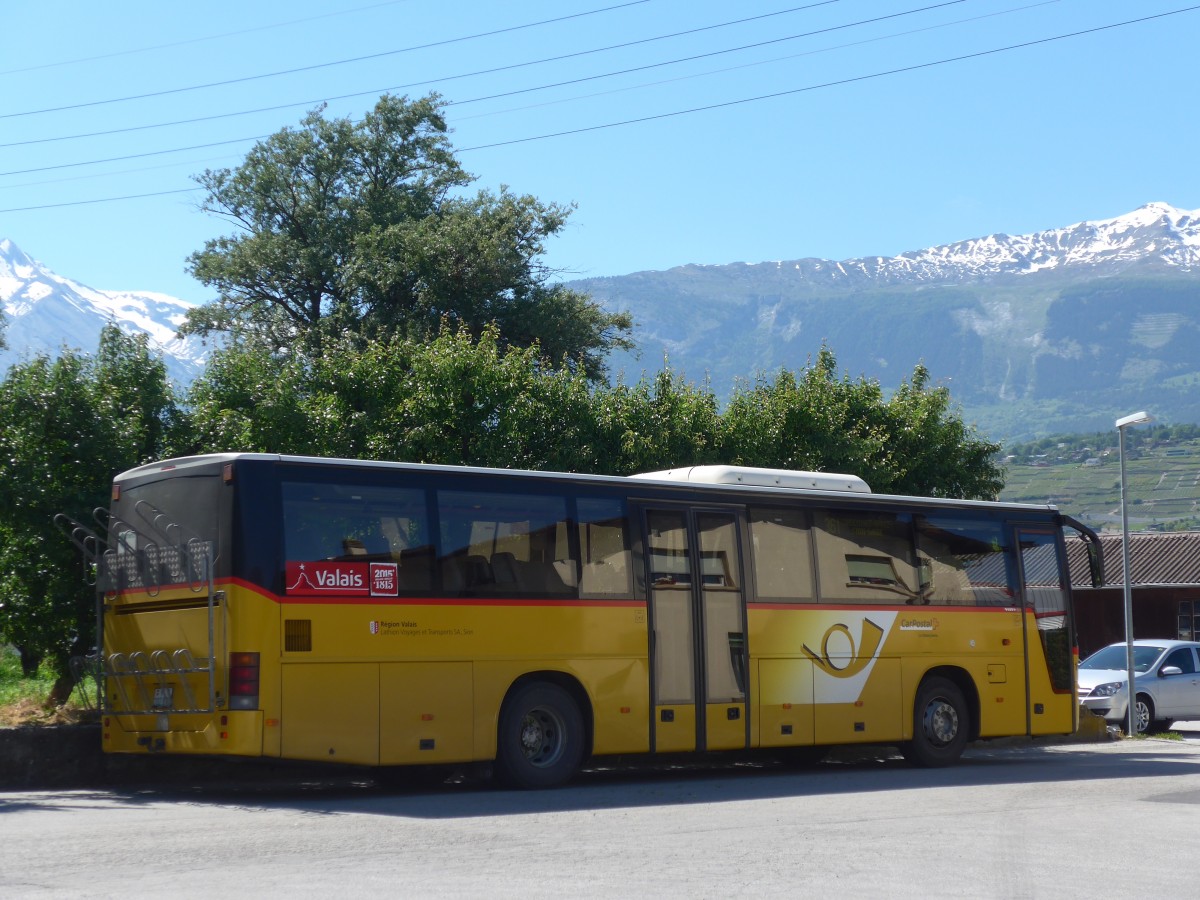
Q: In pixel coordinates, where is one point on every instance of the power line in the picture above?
(709, 107)
(197, 40)
(672, 62)
(135, 171)
(757, 62)
(94, 162)
(564, 100)
(397, 87)
(314, 66)
(827, 84)
(546, 87)
(526, 90)
(100, 200)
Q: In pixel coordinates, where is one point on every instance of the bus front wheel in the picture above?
(940, 724)
(540, 743)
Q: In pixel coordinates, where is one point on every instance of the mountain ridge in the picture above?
(1032, 333)
(1053, 331)
(1090, 242)
(45, 311)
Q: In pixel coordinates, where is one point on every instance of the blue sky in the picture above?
(1019, 140)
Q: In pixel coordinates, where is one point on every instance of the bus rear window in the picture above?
(162, 531)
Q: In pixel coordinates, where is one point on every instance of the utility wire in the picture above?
(827, 84)
(101, 200)
(398, 87)
(758, 62)
(325, 65)
(569, 99)
(843, 81)
(197, 40)
(94, 162)
(527, 90)
(672, 62)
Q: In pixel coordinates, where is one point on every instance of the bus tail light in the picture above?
(243, 681)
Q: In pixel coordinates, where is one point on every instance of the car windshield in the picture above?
(1113, 657)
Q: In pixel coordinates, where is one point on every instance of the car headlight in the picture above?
(1107, 690)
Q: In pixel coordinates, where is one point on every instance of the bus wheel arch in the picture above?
(544, 731)
(945, 717)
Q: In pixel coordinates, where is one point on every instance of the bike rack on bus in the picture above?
(140, 562)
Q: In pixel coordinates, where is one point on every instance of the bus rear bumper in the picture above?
(227, 733)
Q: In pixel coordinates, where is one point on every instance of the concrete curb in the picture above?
(51, 756)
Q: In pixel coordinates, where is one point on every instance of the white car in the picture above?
(1166, 682)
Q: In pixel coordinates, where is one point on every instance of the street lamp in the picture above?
(1121, 424)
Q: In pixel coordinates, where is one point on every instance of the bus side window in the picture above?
(782, 555)
(866, 557)
(964, 560)
(504, 544)
(360, 523)
(604, 548)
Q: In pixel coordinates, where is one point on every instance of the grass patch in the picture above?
(23, 700)
(1158, 735)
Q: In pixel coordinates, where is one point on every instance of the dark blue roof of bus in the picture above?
(889, 499)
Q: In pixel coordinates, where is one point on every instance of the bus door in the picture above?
(1049, 650)
(698, 653)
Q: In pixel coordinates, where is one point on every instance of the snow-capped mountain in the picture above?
(1054, 331)
(46, 312)
(1155, 234)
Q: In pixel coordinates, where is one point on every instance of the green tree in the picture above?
(66, 427)
(913, 442)
(454, 400)
(658, 423)
(467, 401)
(364, 228)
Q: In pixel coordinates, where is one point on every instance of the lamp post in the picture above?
(1121, 424)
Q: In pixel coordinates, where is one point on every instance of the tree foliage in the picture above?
(912, 442)
(66, 427)
(364, 228)
(459, 400)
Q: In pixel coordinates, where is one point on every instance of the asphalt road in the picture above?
(1058, 821)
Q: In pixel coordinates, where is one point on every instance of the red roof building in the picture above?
(1165, 579)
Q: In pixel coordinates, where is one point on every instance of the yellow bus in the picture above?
(392, 614)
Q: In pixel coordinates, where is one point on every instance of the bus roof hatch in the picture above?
(748, 475)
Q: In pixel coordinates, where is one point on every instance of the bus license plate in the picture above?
(164, 697)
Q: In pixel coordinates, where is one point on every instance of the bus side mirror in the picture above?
(1096, 560)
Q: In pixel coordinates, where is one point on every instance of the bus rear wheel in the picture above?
(540, 743)
(940, 725)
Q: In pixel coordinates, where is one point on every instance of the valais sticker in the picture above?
(322, 578)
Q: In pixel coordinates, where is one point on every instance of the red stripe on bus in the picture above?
(359, 600)
(862, 607)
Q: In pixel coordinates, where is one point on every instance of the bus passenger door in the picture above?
(1049, 651)
(698, 647)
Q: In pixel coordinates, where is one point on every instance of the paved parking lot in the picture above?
(1028, 820)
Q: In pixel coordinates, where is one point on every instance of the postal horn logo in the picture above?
(841, 664)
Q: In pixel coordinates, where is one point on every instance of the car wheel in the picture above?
(941, 723)
(541, 737)
(1143, 714)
